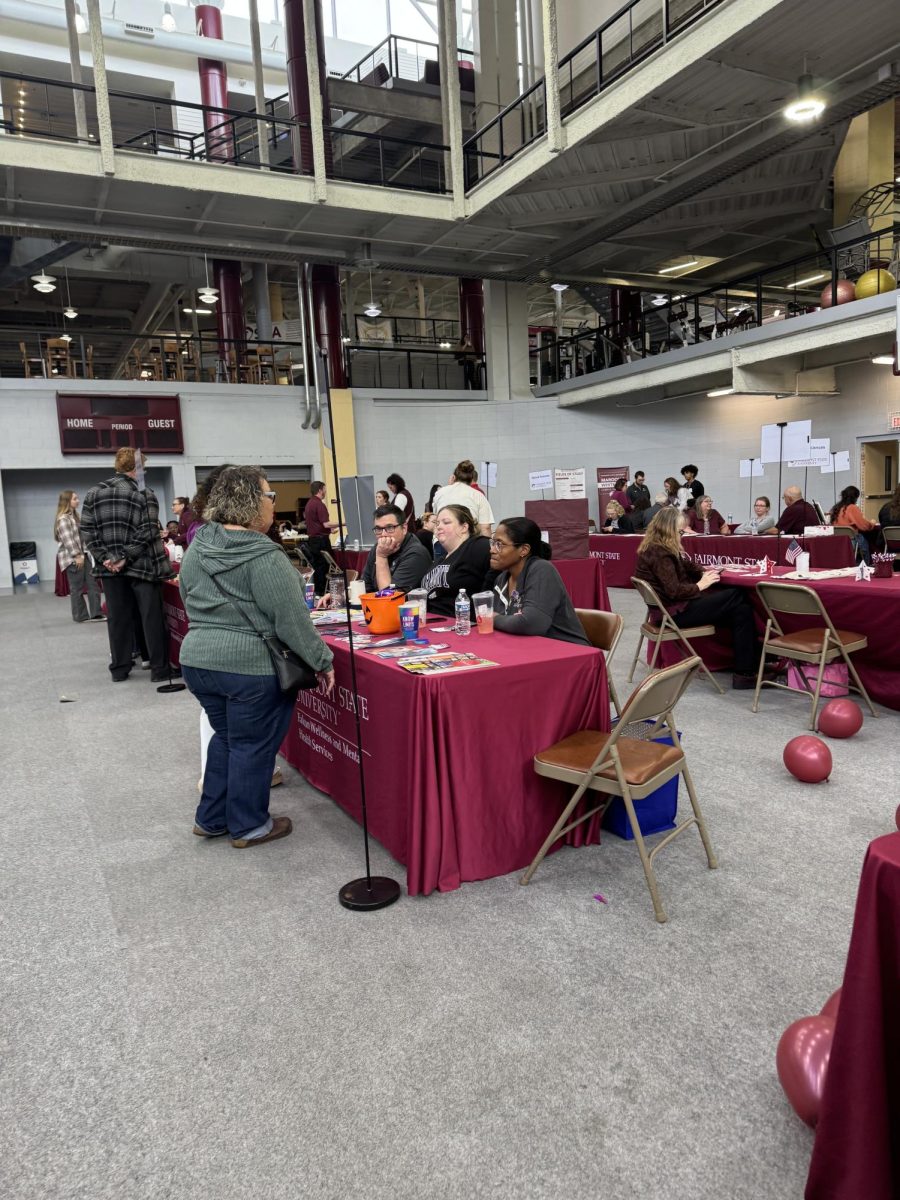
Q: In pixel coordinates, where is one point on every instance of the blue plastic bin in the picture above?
(656, 813)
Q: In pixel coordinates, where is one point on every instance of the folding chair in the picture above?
(667, 631)
(628, 767)
(603, 630)
(891, 535)
(820, 645)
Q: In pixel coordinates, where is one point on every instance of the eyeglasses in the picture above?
(496, 544)
(384, 528)
(270, 495)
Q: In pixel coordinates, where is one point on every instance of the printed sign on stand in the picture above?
(540, 481)
(819, 454)
(569, 483)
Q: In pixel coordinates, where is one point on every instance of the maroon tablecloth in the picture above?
(856, 1155)
(618, 551)
(450, 787)
(175, 617)
(871, 608)
(583, 577)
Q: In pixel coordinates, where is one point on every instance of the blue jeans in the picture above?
(250, 716)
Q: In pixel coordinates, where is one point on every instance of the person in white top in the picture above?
(460, 491)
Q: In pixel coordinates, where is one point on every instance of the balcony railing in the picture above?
(403, 369)
(434, 332)
(194, 132)
(406, 58)
(626, 39)
(690, 318)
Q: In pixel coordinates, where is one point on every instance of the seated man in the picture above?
(761, 521)
(798, 513)
(398, 559)
(660, 500)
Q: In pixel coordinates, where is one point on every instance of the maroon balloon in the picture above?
(840, 719)
(844, 291)
(831, 1005)
(807, 758)
(897, 817)
(802, 1062)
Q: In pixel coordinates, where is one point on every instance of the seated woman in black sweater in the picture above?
(466, 561)
(529, 596)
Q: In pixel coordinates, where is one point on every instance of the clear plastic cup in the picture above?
(484, 611)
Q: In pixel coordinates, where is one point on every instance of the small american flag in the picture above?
(793, 551)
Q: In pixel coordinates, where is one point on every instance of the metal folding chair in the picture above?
(615, 764)
(667, 631)
(820, 645)
(603, 630)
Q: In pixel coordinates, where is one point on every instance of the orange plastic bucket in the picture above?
(382, 613)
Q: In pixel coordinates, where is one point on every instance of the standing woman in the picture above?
(465, 563)
(225, 662)
(70, 556)
(402, 499)
(530, 598)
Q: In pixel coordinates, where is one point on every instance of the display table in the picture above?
(175, 618)
(351, 560)
(871, 608)
(857, 1147)
(618, 551)
(450, 786)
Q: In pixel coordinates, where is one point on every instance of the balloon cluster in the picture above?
(807, 757)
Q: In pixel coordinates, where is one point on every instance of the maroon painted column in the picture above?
(625, 306)
(326, 290)
(471, 312)
(230, 311)
(214, 90)
(298, 84)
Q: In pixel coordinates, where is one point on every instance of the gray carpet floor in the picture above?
(182, 1020)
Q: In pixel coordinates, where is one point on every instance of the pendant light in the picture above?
(44, 283)
(373, 309)
(207, 294)
(71, 313)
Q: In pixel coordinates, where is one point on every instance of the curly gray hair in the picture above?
(236, 496)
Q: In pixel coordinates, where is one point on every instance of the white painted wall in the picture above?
(221, 423)
(424, 441)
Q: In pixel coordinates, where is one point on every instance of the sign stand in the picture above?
(781, 427)
(752, 461)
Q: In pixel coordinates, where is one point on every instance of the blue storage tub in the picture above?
(655, 813)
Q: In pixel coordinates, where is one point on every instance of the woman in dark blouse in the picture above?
(466, 561)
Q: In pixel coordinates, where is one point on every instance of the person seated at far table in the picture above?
(465, 561)
(615, 519)
(703, 518)
(846, 515)
(694, 596)
(797, 514)
(530, 598)
(762, 520)
(398, 559)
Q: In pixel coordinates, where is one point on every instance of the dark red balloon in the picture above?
(840, 719)
(831, 1005)
(808, 758)
(802, 1062)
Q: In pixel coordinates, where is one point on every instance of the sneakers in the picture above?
(201, 832)
(281, 827)
(99, 617)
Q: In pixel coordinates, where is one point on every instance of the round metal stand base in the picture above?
(365, 895)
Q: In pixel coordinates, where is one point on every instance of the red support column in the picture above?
(220, 145)
(230, 313)
(326, 290)
(298, 84)
(471, 312)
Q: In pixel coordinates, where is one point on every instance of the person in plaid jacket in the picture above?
(120, 529)
(70, 556)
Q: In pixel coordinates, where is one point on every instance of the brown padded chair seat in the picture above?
(809, 641)
(640, 760)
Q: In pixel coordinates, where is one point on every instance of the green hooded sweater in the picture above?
(259, 575)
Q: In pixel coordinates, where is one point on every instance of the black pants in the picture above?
(730, 606)
(314, 548)
(122, 593)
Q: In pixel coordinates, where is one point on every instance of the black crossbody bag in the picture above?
(292, 673)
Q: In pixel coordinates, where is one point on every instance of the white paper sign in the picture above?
(840, 461)
(487, 474)
(540, 481)
(746, 465)
(819, 454)
(793, 442)
(569, 483)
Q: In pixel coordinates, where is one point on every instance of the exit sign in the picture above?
(895, 420)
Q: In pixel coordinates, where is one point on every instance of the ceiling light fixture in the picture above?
(168, 21)
(44, 283)
(693, 262)
(808, 104)
(373, 310)
(80, 22)
(207, 294)
(200, 312)
(445, 345)
(345, 340)
(70, 312)
(808, 279)
(883, 360)
(559, 287)
(65, 337)
(725, 391)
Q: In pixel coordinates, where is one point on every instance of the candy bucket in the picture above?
(382, 613)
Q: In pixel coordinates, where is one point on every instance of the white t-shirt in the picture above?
(467, 497)
(399, 501)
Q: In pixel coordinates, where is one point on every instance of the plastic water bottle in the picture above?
(728, 519)
(463, 626)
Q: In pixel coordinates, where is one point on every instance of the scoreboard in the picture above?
(98, 424)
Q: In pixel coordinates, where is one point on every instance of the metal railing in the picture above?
(93, 353)
(402, 58)
(776, 294)
(424, 331)
(396, 367)
(197, 133)
(628, 37)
